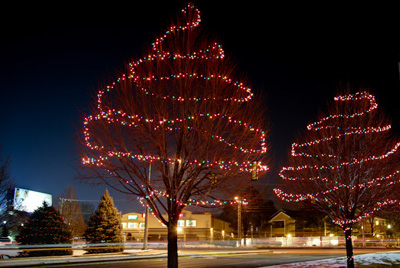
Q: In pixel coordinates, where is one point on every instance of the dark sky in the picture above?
(53, 59)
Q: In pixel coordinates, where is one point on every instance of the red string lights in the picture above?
(319, 168)
(213, 52)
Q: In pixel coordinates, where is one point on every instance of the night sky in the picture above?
(54, 58)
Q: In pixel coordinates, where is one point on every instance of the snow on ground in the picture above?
(387, 258)
(381, 258)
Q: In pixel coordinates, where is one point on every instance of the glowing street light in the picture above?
(239, 202)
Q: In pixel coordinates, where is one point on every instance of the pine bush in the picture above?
(104, 231)
(46, 226)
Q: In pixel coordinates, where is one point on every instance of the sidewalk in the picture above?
(128, 254)
(384, 258)
(82, 258)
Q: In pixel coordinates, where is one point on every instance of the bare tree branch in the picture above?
(347, 164)
(182, 110)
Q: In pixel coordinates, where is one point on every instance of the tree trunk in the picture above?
(349, 248)
(172, 243)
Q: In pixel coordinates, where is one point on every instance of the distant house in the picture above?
(282, 224)
(373, 227)
(300, 223)
(191, 226)
(313, 223)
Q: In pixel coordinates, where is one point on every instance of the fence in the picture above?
(311, 241)
(324, 241)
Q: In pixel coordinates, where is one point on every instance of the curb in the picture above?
(37, 261)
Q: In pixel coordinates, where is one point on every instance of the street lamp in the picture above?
(146, 219)
(239, 202)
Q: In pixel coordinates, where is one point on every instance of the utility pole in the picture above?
(239, 202)
(146, 219)
(363, 232)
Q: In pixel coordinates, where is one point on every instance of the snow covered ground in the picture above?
(387, 259)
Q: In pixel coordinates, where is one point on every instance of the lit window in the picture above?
(132, 225)
(190, 223)
(123, 225)
(132, 217)
(141, 225)
(181, 223)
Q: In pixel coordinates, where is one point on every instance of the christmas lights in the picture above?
(175, 121)
(191, 202)
(319, 172)
(143, 83)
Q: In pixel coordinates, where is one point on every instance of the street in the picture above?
(222, 258)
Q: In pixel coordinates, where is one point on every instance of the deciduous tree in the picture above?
(346, 165)
(255, 210)
(6, 181)
(7, 215)
(69, 206)
(182, 110)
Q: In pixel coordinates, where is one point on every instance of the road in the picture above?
(245, 259)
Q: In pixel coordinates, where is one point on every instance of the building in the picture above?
(373, 227)
(301, 223)
(191, 227)
(281, 224)
(304, 223)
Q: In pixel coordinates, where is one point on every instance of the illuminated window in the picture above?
(190, 223)
(123, 225)
(132, 225)
(132, 217)
(141, 225)
(181, 223)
